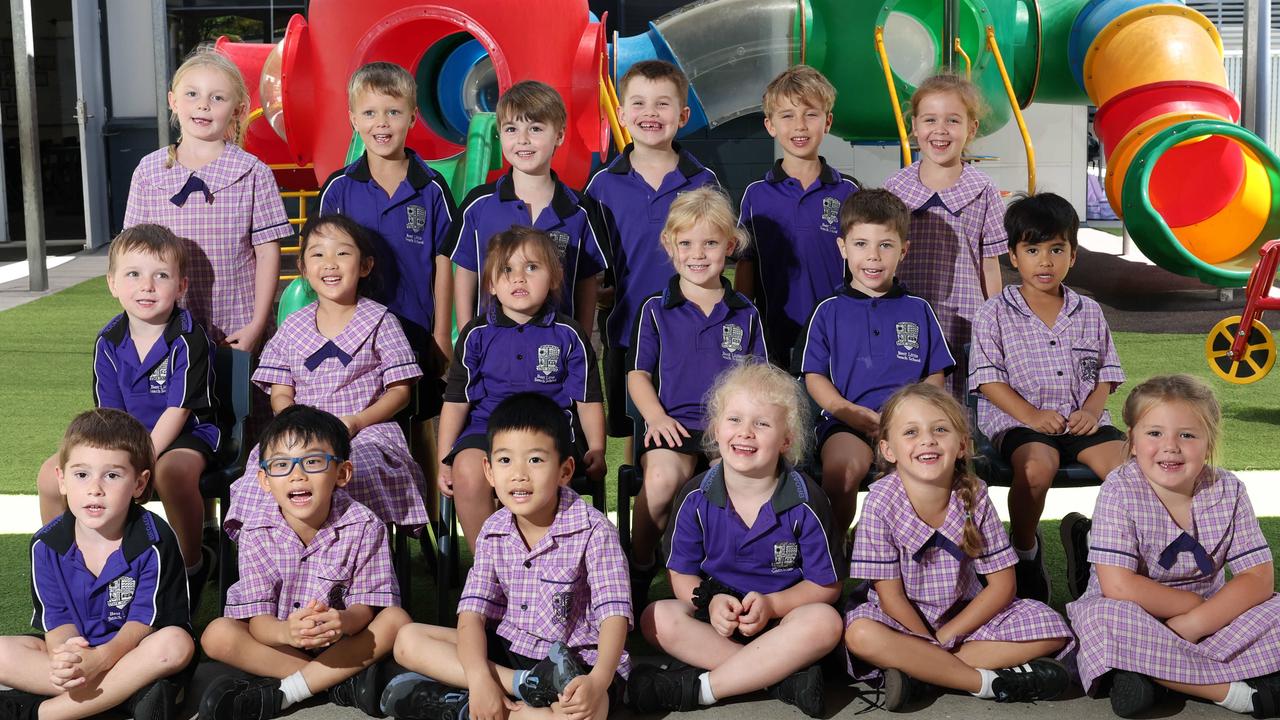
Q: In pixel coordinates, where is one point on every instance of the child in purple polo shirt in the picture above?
(347, 355)
(520, 344)
(792, 213)
(1168, 525)
(531, 125)
(220, 198)
(317, 605)
(155, 362)
(545, 611)
(107, 585)
(865, 342)
(684, 337)
(956, 231)
(633, 193)
(927, 531)
(751, 560)
(1044, 365)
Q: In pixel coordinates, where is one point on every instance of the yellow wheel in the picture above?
(1259, 352)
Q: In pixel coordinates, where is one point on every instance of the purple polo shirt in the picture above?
(492, 208)
(142, 581)
(868, 347)
(409, 229)
(1053, 368)
(797, 261)
(177, 372)
(790, 540)
(496, 358)
(560, 590)
(633, 216)
(347, 563)
(683, 350)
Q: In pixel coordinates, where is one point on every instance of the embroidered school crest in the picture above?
(1089, 369)
(786, 554)
(561, 604)
(338, 597)
(908, 335)
(561, 240)
(415, 218)
(120, 592)
(731, 340)
(830, 213)
(158, 383)
(548, 363)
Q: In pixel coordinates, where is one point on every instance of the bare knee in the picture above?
(392, 619)
(864, 637)
(170, 648)
(1037, 474)
(178, 471)
(819, 624)
(662, 619)
(47, 479)
(222, 638)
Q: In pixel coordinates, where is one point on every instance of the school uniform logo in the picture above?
(830, 214)
(561, 604)
(119, 595)
(908, 335)
(731, 340)
(338, 597)
(786, 556)
(158, 383)
(1089, 369)
(561, 240)
(548, 363)
(415, 220)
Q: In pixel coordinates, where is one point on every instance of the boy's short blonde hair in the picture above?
(532, 101)
(769, 384)
(383, 78)
(654, 71)
(706, 204)
(155, 240)
(109, 429)
(801, 85)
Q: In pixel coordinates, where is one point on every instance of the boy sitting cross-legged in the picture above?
(317, 604)
(548, 590)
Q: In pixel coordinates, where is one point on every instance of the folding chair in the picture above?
(232, 370)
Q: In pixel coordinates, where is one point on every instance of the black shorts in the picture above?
(691, 445)
(617, 422)
(500, 653)
(474, 441)
(1069, 447)
(189, 441)
(829, 428)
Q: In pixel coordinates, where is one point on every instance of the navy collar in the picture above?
(827, 175)
(673, 297)
(788, 493)
(895, 291)
(139, 533)
(686, 164)
(545, 316)
(419, 176)
(562, 200)
(179, 323)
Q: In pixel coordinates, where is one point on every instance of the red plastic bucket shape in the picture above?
(1134, 106)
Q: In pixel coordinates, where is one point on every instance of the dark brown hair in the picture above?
(537, 243)
(110, 429)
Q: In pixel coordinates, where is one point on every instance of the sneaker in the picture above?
(1266, 695)
(546, 680)
(410, 696)
(1131, 694)
(19, 705)
(156, 701)
(899, 690)
(1074, 532)
(362, 690)
(1040, 679)
(232, 698)
(1033, 580)
(653, 689)
(802, 689)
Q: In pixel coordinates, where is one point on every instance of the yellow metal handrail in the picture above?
(893, 97)
(1017, 111)
(609, 104)
(968, 64)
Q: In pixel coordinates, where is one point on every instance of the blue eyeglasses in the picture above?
(282, 466)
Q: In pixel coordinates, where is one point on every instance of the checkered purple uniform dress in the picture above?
(1132, 530)
(377, 354)
(238, 208)
(950, 236)
(1051, 368)
(560, 591)
(347, 563)
(891, 541)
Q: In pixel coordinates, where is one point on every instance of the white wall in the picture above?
(131, 52)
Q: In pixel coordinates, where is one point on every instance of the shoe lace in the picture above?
(872, 698)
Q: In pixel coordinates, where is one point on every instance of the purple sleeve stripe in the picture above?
(855, 561)
(480, 598)
(997, 241)
(606, 603)
(1114, 552)
(980, 368)
(273, 367)
(389, 368)
(242, 611)
(374, 599)
(994, 552)
(1248, 552)
(269, 227)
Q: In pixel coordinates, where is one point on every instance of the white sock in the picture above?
(295, 690)
(705, 696)
(193, 569)
(988, 677)
(1027, 554)
(1239, 698)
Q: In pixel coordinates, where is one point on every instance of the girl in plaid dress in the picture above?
(957, 218)
(220, 198)
(347, 355)
(927, 531)
(1158, 608)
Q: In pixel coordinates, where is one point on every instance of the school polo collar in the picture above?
(788, 493)
(545, 316)
(419, 175)
(179, 323)
(917, 535)
(895, 291)
(827, 175)
(140, 533)
(180, 182)
(686, 164)
(673, 297)
(966, 189)
(562, 201)
(317, 348)
(1013, 299)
